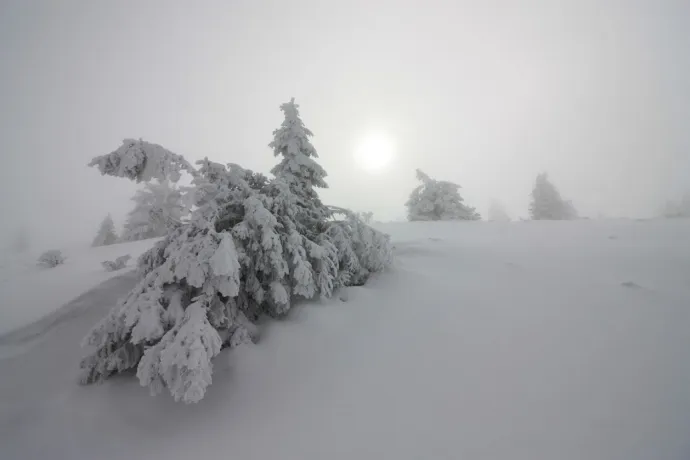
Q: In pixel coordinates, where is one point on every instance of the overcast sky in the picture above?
(483, 93)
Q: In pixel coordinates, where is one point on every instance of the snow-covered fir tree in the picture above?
(547, 203)
(158, 206)
(251, 247)
(106, 233)
(299, 169)
(497, 212)
(438, 200)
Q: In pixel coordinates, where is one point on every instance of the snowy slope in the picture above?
(526, 340)
(29, 292)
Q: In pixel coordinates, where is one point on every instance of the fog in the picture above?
(483, 93)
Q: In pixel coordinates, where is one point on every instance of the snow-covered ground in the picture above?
(525, 340)
(29, 292)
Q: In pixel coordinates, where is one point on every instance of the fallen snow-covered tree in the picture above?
(117, 264)
(251, 248)
(51, 258)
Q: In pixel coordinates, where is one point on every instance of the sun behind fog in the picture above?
(374, 153)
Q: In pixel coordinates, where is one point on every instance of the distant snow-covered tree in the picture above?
(547, 203)
(251, 248)
(438, 200)
(497, 212)
(106, 233)
(21, 241)
(158, 207)
(367, 217)
(678, 209)
(51, 258)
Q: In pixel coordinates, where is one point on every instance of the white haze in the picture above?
(484, 93)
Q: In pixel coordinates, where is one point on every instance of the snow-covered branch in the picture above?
(139, 161)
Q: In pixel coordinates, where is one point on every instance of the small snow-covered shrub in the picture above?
(51, 258)
(251, 248)
(117, 264)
